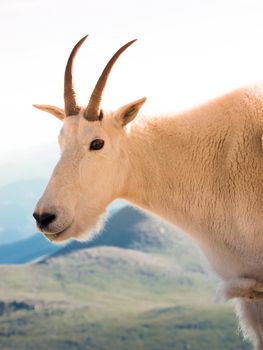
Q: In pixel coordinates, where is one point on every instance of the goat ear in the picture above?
(56, 111)
(128, 112)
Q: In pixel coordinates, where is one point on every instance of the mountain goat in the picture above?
(202, 170)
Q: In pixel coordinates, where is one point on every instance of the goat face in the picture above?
(91, 170)
(89, 175)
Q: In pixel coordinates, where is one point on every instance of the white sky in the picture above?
(188, 51)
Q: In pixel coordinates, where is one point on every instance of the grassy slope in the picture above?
(111, 298)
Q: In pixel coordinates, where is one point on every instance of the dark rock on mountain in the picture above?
(14, 305)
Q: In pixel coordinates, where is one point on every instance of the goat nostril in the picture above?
(36, 217)
(44, 219)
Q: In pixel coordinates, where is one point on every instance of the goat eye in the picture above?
(96, 145)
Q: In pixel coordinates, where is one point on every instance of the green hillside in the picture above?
(116, 298)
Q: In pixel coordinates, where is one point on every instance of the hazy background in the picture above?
(187, 52)
(148, 282)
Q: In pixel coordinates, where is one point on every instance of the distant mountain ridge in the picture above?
(135, 230)
(130, 228)
(146, 292)
(17, 202)
(28, 250)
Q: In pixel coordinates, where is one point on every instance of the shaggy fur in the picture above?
(201, 170)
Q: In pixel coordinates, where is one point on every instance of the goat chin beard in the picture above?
(77, 232)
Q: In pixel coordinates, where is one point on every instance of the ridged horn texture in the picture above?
(71, 107)
(92, 112)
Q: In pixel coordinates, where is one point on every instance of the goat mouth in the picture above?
(54, 236)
